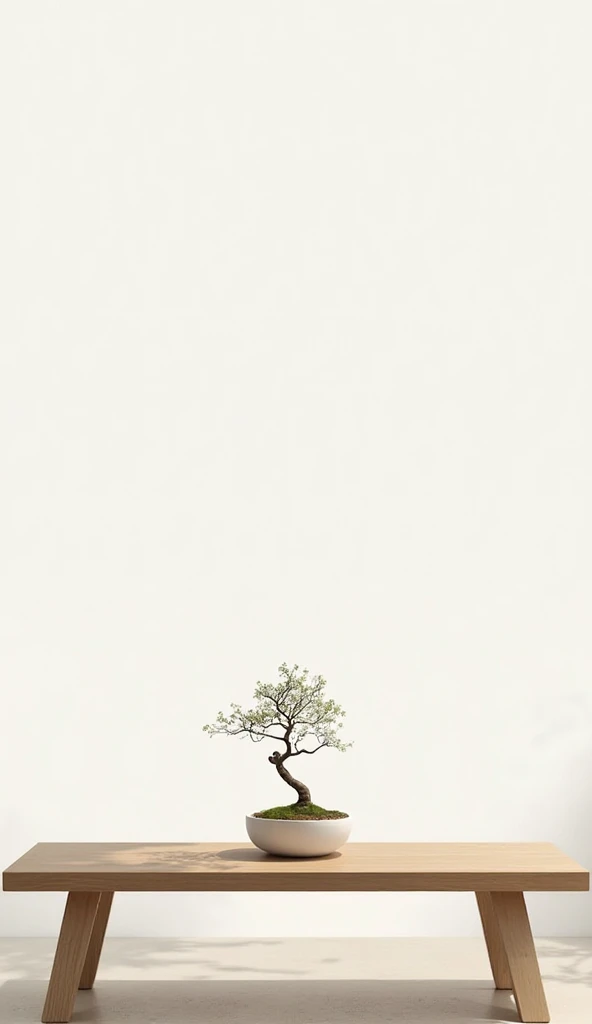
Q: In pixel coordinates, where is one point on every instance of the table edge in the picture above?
(517, 881)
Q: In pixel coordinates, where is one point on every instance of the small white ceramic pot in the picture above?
(298, 838)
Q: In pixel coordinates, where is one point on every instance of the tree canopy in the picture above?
(295, 712)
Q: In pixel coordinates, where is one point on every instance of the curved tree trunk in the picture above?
(302, 790)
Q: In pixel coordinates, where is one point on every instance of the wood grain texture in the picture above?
(514, 926)
(493, 940)
(93, 955)
(73, 942)
(240, 867)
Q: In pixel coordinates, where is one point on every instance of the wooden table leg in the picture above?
(75, 933)
(500, 967)
(89, 971)
(514, 927)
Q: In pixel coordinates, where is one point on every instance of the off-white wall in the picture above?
(296, 365)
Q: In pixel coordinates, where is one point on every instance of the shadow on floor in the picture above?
(566, 960)
(198, 957)
(267, 1002)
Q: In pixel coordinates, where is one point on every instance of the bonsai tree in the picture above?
(296, 713)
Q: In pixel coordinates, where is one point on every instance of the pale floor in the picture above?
(294, 981)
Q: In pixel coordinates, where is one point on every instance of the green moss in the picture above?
(300, 812)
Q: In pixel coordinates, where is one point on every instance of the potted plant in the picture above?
(294, 712)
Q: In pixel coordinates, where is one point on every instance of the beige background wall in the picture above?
(295, 364)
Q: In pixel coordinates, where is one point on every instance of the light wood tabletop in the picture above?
(240, 867)
(498, 873)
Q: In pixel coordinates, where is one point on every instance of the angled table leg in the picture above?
(500, 967)
(89, 971)
(75, 933)
(514, 927)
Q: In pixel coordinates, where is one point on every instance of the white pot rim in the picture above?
(299, 821)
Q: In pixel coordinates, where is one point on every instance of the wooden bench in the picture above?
(498, 873)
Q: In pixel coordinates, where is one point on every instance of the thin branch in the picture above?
(299, 708)
(249, 732)
(280, 710)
